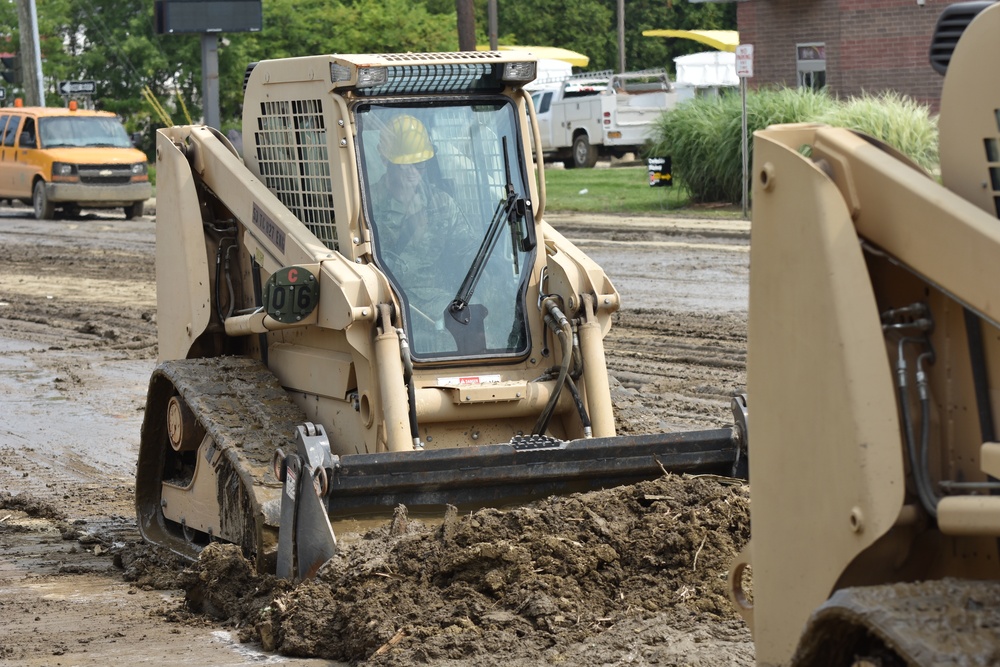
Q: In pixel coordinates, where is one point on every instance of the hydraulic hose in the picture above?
(581, 409)
(411, 392)
(557, 322)
(917, 454)
(931, 497)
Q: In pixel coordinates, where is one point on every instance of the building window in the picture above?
(810, 63)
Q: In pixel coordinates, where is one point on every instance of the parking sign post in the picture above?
(744, 69)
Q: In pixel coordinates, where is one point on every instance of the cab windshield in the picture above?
(445, 197)
(82, 131)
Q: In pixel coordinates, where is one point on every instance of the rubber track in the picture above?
(941, 623)
(240, 403)
(249, 415)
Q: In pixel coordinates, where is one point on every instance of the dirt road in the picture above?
(630, 577)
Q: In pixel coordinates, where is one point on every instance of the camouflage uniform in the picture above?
(427, 245)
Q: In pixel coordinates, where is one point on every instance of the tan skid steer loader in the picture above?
(874, 368)
(366, 309)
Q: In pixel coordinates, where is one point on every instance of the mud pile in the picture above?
(539, 583)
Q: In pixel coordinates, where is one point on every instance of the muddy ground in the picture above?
(634, 575)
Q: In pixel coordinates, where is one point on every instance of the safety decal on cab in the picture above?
(468, 379)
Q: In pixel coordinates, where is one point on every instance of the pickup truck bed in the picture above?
(589, 116)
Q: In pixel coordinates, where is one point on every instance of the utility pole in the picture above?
(621, 36)
(466, 25)
(30, 54)
(492, 11)
(210, 78)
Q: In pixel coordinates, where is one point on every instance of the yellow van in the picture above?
(68, 159)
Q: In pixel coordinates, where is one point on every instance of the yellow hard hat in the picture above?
(404, 141)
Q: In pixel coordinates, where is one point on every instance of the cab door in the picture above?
(6, 179)
(25, 163)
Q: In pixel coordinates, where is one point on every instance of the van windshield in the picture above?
(82, 132)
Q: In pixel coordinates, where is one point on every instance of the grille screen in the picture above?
(105, 174)
(294, 162)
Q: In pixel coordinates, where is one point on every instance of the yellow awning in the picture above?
(550, 52)
(723, 40)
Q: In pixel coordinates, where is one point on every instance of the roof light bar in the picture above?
(520, 72)
(442, 78)
(372, 76)
(408, 78)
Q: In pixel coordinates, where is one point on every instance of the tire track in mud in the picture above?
(79, 286)
(683, 367)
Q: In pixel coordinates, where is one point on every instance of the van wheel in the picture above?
(584, 155)
(135, 210)
(44, 209)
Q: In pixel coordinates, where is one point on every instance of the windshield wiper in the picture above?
(512, 210)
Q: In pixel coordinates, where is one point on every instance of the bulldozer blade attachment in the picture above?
(314, 539)
(290, 471)
(308, 541)
(514, 472)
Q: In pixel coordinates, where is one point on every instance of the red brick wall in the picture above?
(871, 45)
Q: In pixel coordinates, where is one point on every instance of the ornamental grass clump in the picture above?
(899, 121)
(703, 139)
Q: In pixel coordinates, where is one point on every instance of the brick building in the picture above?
(850, 46)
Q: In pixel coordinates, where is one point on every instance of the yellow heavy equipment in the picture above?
(365, 307)
(874, 372)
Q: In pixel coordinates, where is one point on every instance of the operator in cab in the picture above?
(424, 238)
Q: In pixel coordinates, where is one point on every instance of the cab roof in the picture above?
(57, 111)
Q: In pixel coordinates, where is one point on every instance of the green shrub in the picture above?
(703, 136)
(895, 119)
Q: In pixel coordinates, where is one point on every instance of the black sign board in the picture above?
(187, 16)
(659, 172)
(77, 87)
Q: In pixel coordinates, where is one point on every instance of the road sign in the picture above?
(3, 94)
(77, 87)
(744, 60)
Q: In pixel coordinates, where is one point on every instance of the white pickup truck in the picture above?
(600, 114)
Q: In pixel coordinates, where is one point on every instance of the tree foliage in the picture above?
(113, 43)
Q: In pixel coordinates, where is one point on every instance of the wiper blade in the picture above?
(459, 306)
(511, 210)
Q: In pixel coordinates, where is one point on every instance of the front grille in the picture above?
(294, 162)
(105, 174)
(949, 28)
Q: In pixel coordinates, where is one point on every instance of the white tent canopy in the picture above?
(707, 69)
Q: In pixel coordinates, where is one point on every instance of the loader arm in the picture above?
(197, 156)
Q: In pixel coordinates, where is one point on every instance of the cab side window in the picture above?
(11, 132)
(3, 122)
(27, 137)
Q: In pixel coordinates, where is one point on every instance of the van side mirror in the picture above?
(27, 140)
(136, 137)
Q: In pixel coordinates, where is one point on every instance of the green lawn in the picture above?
(621, 190)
